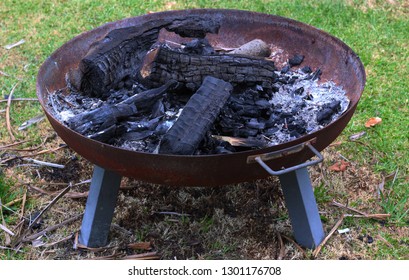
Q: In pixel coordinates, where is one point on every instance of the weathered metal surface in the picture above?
(336, 60)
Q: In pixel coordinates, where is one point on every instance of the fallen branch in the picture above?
(5, 147)
(361, 214)
(18, 99)
(44, 163)
(318, 249)
(144, 256)
(61, 194)
(140, 246)
(282, 247)
(51, 228)
(8, 113)
(34, 154)
(296, 245)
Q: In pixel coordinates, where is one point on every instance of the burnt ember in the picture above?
(192, 99)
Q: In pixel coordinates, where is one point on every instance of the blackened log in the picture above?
(197, 117)
(106, 116)
(163, 64)
(100, 118)
(116, 58)
(146, 99)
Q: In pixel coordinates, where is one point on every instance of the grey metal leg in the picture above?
(100, 207)
(302, 208)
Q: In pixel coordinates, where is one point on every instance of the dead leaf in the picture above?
(373, 121)
(339, 166)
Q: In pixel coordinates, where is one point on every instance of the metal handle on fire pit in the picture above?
(259, 159)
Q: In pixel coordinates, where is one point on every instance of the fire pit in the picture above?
(338, 63)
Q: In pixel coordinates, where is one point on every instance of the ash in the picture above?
(296, 105)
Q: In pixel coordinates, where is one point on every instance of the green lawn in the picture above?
(378, 31)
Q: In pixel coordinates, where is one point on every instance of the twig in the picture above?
(140, 246)
(18, 99)
(361, 214)
(8, 113)
(4, 74)
(44, 163)
(56, 242)
(51, 228)
(110, 257)
(11, 203)
(296, 245)
(347, 207)
(12, 145)
(2, 227)
(16, 44)
(61, 194)
(144, 256)
(34, 154)
(173, 213)
(318, 249)
(282, 248)
(381, 217)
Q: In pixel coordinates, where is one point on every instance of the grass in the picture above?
(377, 31)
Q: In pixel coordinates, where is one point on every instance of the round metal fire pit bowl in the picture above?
(288, 37)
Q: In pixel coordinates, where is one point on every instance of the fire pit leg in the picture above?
(100, 207)
(302, 207)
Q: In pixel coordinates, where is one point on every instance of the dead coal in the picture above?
(252, 117)
(134, 91)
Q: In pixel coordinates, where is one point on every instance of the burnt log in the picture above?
(115, 59)
(197, 117)
(104, 118)
(163, 64)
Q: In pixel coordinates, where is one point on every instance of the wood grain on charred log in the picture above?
(163, 64)
(196, 118)
(115, 59)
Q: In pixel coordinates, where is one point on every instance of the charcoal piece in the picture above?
(315, 75)
(158, 109)
(255, 124)
(145, 100)
(142, 125)
(115, 60)
(263, 104)
(299, 91)
(199, 46)
(136, 135)
(296, 60)
(245, 132)
(163, 64)
(271, 131)
(306, 69)
(327, 111)
(107, 135)
(103, 117)
(196, 118)
(195, 26)
(285, 69)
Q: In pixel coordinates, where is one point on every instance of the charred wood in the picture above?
(163, 64)
(104, 119)
(114, 60)
(197, 117)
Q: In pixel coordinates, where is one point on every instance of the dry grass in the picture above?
(228, 222)
(231, 222)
